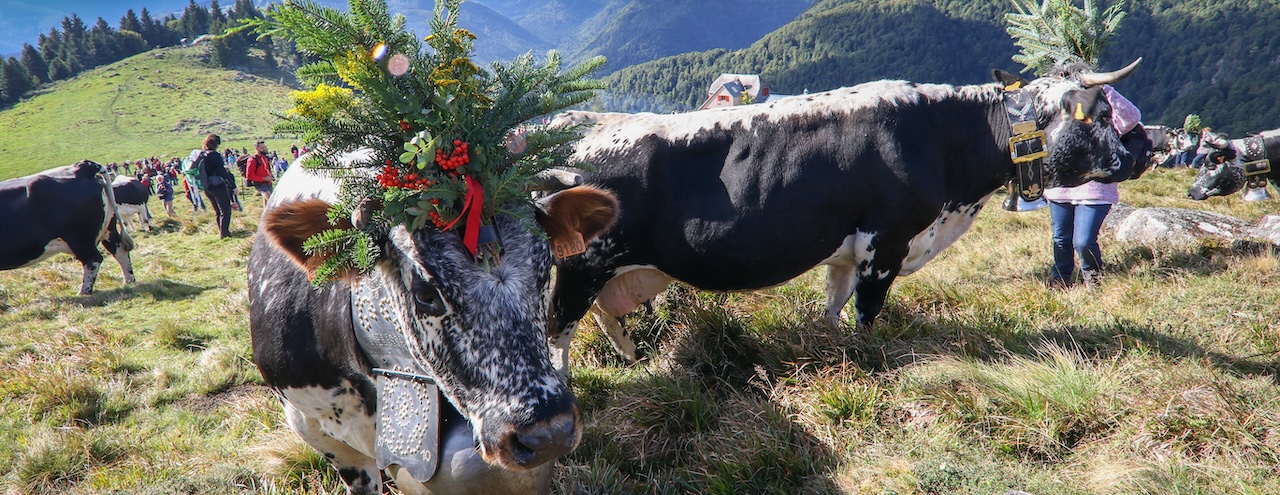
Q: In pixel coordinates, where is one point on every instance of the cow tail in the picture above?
(126, 241)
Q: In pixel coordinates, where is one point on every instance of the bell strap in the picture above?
(1027, 145)
(408, 425)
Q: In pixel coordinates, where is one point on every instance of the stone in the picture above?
(1177, 226)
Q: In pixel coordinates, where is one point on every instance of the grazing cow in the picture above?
(873, 180)
(478, 331)
(131, 198)
(62, 210)
(1223, 177)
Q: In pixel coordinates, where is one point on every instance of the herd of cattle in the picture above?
(873, 181)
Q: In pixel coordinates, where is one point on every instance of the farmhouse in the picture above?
(737, 89)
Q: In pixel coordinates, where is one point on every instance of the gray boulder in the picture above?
(1176, 226)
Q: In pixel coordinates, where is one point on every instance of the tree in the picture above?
(130, 22)
(194, 21)
(14, 80)
(216, 17)
(1055, 32)
(34, 62)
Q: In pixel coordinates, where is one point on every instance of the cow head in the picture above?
(479, 329)
(1221, 174)
(1076, 118)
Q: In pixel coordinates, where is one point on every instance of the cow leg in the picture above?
(359, 472)
(146, 217)
(86, 252)
(623, 294)
(116, 247)
(573, 295)
(875, 275)
(841, 280)
(90, 276)
(617, 335)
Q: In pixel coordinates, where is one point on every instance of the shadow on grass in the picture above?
(908, 337)
(159, 290)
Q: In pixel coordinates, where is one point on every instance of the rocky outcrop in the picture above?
(1182, 226)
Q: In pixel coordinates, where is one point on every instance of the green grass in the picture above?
(977, 379)
(160, 103)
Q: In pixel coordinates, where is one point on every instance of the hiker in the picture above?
(164, 190)
(258, 170)
(220, 185)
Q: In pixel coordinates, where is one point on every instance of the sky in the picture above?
(22, 21)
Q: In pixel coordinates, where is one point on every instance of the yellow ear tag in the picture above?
(1079, 111)
(1014, 87)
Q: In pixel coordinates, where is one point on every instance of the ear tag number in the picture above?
(570, 246)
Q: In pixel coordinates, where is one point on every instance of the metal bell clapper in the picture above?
(1256, 194)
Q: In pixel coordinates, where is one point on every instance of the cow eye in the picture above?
(427, 300)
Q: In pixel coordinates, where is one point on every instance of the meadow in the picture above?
(160, 103)
(977, 379)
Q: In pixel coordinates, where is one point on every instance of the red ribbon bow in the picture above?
(472, 204)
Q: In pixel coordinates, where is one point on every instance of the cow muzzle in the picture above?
(519, 448)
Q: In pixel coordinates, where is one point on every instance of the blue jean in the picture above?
(1075, 231)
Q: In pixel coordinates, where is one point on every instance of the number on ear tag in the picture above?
(565, 248)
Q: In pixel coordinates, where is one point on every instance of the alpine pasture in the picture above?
(976, 380)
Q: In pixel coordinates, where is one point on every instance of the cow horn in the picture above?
(554, 179)
(363, 213)
(1090, 79)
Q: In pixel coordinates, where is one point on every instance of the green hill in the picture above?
(1217, 59)
(159, 103)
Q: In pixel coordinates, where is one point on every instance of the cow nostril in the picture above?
(524, 448)
(542, 442)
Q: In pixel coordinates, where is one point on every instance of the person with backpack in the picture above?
(212, 176)
(258, 170)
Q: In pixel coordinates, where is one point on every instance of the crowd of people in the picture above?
(257, 168)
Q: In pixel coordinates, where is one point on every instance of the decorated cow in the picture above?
(1236, 164)
(873, 181)
(400, 278)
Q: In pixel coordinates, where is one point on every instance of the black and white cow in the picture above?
(62, 210)
(479, 331)
(1221, 179)
(873, 181)
(131, 198)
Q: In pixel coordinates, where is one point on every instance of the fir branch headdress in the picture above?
(447, 138)
(1050, 33)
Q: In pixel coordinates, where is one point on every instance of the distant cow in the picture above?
(478, 330)
(62, 210)
(873, 181)
(131, 197)
(1226, 176)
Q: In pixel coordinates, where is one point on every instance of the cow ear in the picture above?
(290, 224)
(1012, 81)
(583, 210)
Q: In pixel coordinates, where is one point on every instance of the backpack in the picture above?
(243, 164)
(193, 167)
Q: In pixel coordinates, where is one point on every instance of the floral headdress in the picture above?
(451, 143)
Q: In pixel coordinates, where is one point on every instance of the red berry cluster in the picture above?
(391, 177)
(435, 218)
(454, 160)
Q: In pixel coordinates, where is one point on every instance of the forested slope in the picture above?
(1221, 60)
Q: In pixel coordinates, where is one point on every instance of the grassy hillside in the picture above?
(632, 32)
(1218, 59)
(160, 103)
(977, 379)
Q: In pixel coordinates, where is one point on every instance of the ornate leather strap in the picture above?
(1027, 145)
(1256, 163)
(408, 428)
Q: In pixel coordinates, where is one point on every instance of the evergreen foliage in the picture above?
(439, 129)
(1050, 33)
(1220, 60)
(62, 54)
